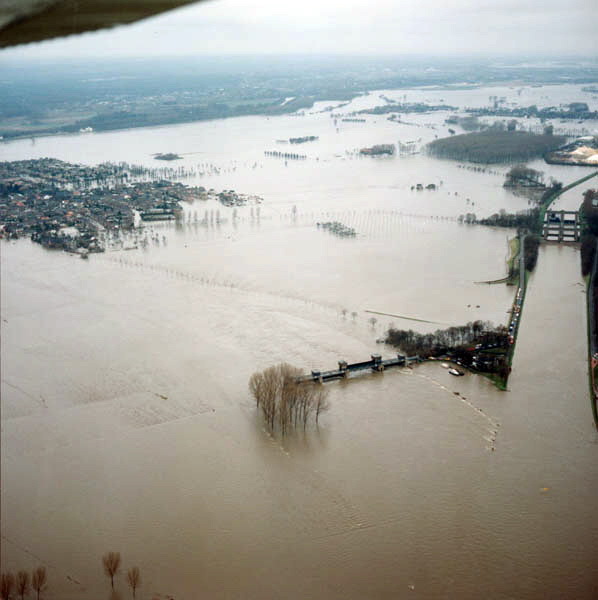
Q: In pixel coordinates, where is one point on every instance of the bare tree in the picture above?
(38, 580)
(7, 582)
(322, 404)
(133, 578)
(22, 584)
(111, 562)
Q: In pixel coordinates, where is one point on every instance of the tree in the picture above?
(38, 580)
(7, 582)
(22, 584)
(111, 562)
(373, 321)
(133, 578)
(322, 403)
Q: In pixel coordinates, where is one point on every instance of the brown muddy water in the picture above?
(127, 424)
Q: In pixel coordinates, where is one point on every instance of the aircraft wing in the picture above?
(23, 21)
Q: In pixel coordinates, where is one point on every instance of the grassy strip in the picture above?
(515, 247)
(497, 380)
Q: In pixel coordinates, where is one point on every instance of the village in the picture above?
(72, 207)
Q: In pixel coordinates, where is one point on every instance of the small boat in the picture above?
(456, 372)
(445, 365)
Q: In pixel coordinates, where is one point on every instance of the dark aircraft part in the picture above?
(24, 21)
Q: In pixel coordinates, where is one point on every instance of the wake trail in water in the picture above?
(492, 425)
(344, 516)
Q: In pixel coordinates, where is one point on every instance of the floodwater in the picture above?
(127, 424)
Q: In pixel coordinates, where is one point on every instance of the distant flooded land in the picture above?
(189, 93)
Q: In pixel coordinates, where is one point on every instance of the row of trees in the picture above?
(530, 251)
(588, 250)
(283, 401)
(22, 585)
(446, 341)
(525, 219)
(589, 211)
(111, 563)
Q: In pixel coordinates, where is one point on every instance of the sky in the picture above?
(416, 27)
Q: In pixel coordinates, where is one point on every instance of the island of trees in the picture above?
(338, 228)
(494, 146)
(522, 176)
(168, 156)
(378, 150)
(302, 140)
(283, 401)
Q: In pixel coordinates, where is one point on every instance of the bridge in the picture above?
(377, 364)
(561, 226)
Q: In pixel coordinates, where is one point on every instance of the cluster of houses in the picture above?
(66, 206)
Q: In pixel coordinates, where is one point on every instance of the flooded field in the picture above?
(127, 424)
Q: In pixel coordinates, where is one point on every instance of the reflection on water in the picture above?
(127, 425)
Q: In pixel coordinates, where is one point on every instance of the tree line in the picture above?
(588, 251)
(22, 584)
(445, 341)
(530, 251)
(283, 401)
(589, 214)
(525, 219)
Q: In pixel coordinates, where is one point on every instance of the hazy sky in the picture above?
(437, 27)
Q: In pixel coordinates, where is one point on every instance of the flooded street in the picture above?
(127, 424)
